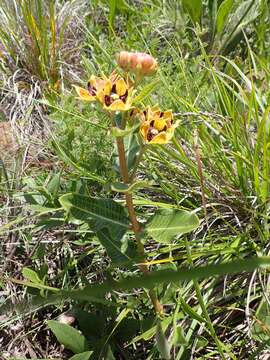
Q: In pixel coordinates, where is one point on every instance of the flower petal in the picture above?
(161, 138)
(121, 87)
(167, 115)
(108, 88)
(84, 94)
(159, 124)
(100, 96)
(144, 129)
(93, 80)
(117, 105)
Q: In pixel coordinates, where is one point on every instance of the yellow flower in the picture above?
(157, 126)
(93, 86)
(115, 95)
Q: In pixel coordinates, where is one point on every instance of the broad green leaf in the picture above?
(162, 343)
(245, 13)
(71, 338)
(82, 356)
(107, 212)
(54, 184)
(113, 247)
(222, 14)
(194, 9)
(31, 275)
(166, 224)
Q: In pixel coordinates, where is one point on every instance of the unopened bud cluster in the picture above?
(140, 63)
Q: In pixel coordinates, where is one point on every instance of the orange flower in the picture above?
(138, 62)
(157, 126)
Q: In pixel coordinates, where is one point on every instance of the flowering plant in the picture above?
(151, 126)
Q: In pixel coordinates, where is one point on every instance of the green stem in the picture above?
(203, 307)
(137, 162)
(133, 219)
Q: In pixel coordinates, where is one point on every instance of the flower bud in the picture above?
(148, 65)
(141, 63)
(123, 59)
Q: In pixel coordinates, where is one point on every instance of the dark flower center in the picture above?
(152, 132)
(108, 100)
(92, 90)
(150, 136)
(124, 97)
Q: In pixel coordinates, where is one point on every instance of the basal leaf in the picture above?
(71, 338)
(82, 356)
(31, 275)
(166, 224)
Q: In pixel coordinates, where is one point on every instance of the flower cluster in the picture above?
(115, 93)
